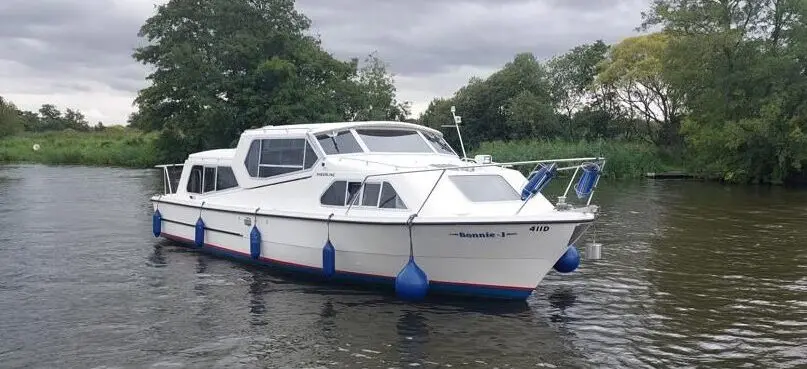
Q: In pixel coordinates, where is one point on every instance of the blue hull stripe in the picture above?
(435, 287)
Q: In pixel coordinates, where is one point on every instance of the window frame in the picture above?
(432, 150)
(358, 201)
(307, 139)
(432, 145)
(205, 167)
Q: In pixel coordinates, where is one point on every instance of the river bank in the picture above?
(131, 148)
(112, 147)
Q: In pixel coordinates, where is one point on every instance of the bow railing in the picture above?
(587, 190)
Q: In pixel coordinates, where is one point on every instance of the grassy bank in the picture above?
(124, 147)
(115, 146)
(625, 159)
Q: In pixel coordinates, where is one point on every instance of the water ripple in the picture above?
(693, 275)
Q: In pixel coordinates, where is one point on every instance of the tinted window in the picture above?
(210, 179)
(334, 195)
(272, 157)
(283, 152)
(251, 161)
(480, 188)
(195, 179)
(371, 191)
(390, 198)
(393, 140)
(310, 156)
(353, 192)
(439, 144)
(271, 171)
(225, 179)
(342, 143)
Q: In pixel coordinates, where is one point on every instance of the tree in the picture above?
(74, 119)
(377, 99)
(50, 119)
(572, 75)
(739, 67)
(223, 66)
(634, 71)
(10, 120)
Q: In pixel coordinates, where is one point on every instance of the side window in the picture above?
(353, 193)
(225, 179)
(334, 195)
(371, 192)
(272, 157)
(210, 179)
(253, 155)
(195, 180)
(310, 156)
(390, 198)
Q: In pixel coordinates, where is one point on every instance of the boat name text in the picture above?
(483, 234)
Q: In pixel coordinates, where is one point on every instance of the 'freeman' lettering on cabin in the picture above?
(483, 234)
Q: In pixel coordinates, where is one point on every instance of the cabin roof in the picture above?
(327, 127)
(214, 154)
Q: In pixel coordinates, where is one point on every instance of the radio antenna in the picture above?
(457, 121)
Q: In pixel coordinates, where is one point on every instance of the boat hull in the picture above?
(504, 260)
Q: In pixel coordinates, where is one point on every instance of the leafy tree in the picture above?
(377, 99)
(223, 66)
(74, 119)
(572, 75)
(739, 66)
(634, 71)
(10, 120)
(491, 107)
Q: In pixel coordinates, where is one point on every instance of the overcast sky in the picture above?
(77, 53)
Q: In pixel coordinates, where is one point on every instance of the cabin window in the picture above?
(482, 188)
(195, 179)
(353, 192)
(439, 144)
(370, 196)
(210, 179)
(393, 140)
(390, 198)
(334, 195)
(273, 157)
(341, 143)
(225, 179)
(340, 193)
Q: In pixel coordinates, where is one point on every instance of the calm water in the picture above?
(693, 275)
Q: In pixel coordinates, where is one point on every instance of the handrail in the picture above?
(487, 165)
(167, 187)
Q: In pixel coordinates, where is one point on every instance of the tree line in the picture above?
(47, 118)
(721, 83)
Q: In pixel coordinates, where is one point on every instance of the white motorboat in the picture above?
(388, 203)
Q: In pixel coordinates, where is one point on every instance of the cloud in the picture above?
(77, 53)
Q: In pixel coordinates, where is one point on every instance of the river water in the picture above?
(692, 275)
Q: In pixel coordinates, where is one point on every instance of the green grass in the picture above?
(624, 159)
(115, 146)
(125, 147)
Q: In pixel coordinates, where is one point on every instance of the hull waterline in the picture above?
(469, 290)
(501, 261)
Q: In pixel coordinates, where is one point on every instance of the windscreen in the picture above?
(393, 140)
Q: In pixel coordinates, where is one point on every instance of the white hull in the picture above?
(489, 260)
